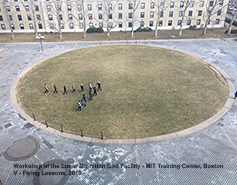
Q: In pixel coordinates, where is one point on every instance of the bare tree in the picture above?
(133, 5)
(56, 6)
(234, 16)
(6, 10)
(161, 6)
(82, 16)
(184, 6)
(211, 9)
(107, 16)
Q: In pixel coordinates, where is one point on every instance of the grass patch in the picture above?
(147, 91)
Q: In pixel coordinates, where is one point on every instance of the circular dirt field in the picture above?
(146, 91)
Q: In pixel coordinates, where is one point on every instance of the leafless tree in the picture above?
(133, 5)
(234, 16)
(212, 7)
(56, 7)
(6, 10)
(161, 6)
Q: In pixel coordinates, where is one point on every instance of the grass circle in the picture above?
(147, 91)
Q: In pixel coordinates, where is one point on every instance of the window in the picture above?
(79, 7)
(211, 3)
(3, 26)
(208, 22)
(62, 25)
(100, 16)
(8, 8)
(191, 4)
(152, 5)
(100, 24)
(172, 5)
(19, 17)
(130, 15)
(10, 17)
(142, 24)
(160, 23)
(170, 23)
(201, 3)
(13, 27)
(27, 8)
(90, 16)
(29, 17)
(60, 16)
(142, 5)
(161, 14)
(129, 24)
(200, 13)
(219, 12)
(16, 0)
(120, 15)
(51, 26)
(70, 16)
(162, 5)
(198, 21)
(31, 26)
(38, 17)
(151, 23)
(179, 22)
(190, 13)
(180, 13)
(1, 19)
(120, 24)
(120, 6)
(189, 22)
(91, 25)
(142, 14)
(69, 8)
(110, 6)
(221, 3)
(130, 6)
(48, 8)
(22, 26)
(50, 17)
(81, 25)
(17, 8)
(71, 25)
(171, 14)
(99, 6)
(110, 24)
(36, 8)
(80, 16)
(110, 16)
(40, 26)
(217, 21)
(181, 4)
(89, 7)
(151, 14)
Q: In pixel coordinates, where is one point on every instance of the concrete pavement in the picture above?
(207, 156)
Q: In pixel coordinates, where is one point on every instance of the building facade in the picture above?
(72, 15)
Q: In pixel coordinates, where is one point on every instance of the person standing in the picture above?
(46, 89)
(65, 90)
(55, 89)
(73, 88)
(90, 95)
(79, 105)
(99, 86)
(82, 88)
(90, 87)
(84, 97)
(95, 93)
(83, 102)
(235, 94)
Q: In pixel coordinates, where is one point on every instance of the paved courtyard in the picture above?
(29, 155)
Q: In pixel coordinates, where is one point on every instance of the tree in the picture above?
(234, 16)
(161, 6)
(82, 16)
(132, 6)
(5, 11)
(56, 6)
(185, 5)
(211, 9)
(108, 9)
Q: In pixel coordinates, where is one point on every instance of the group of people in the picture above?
(81, 102)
